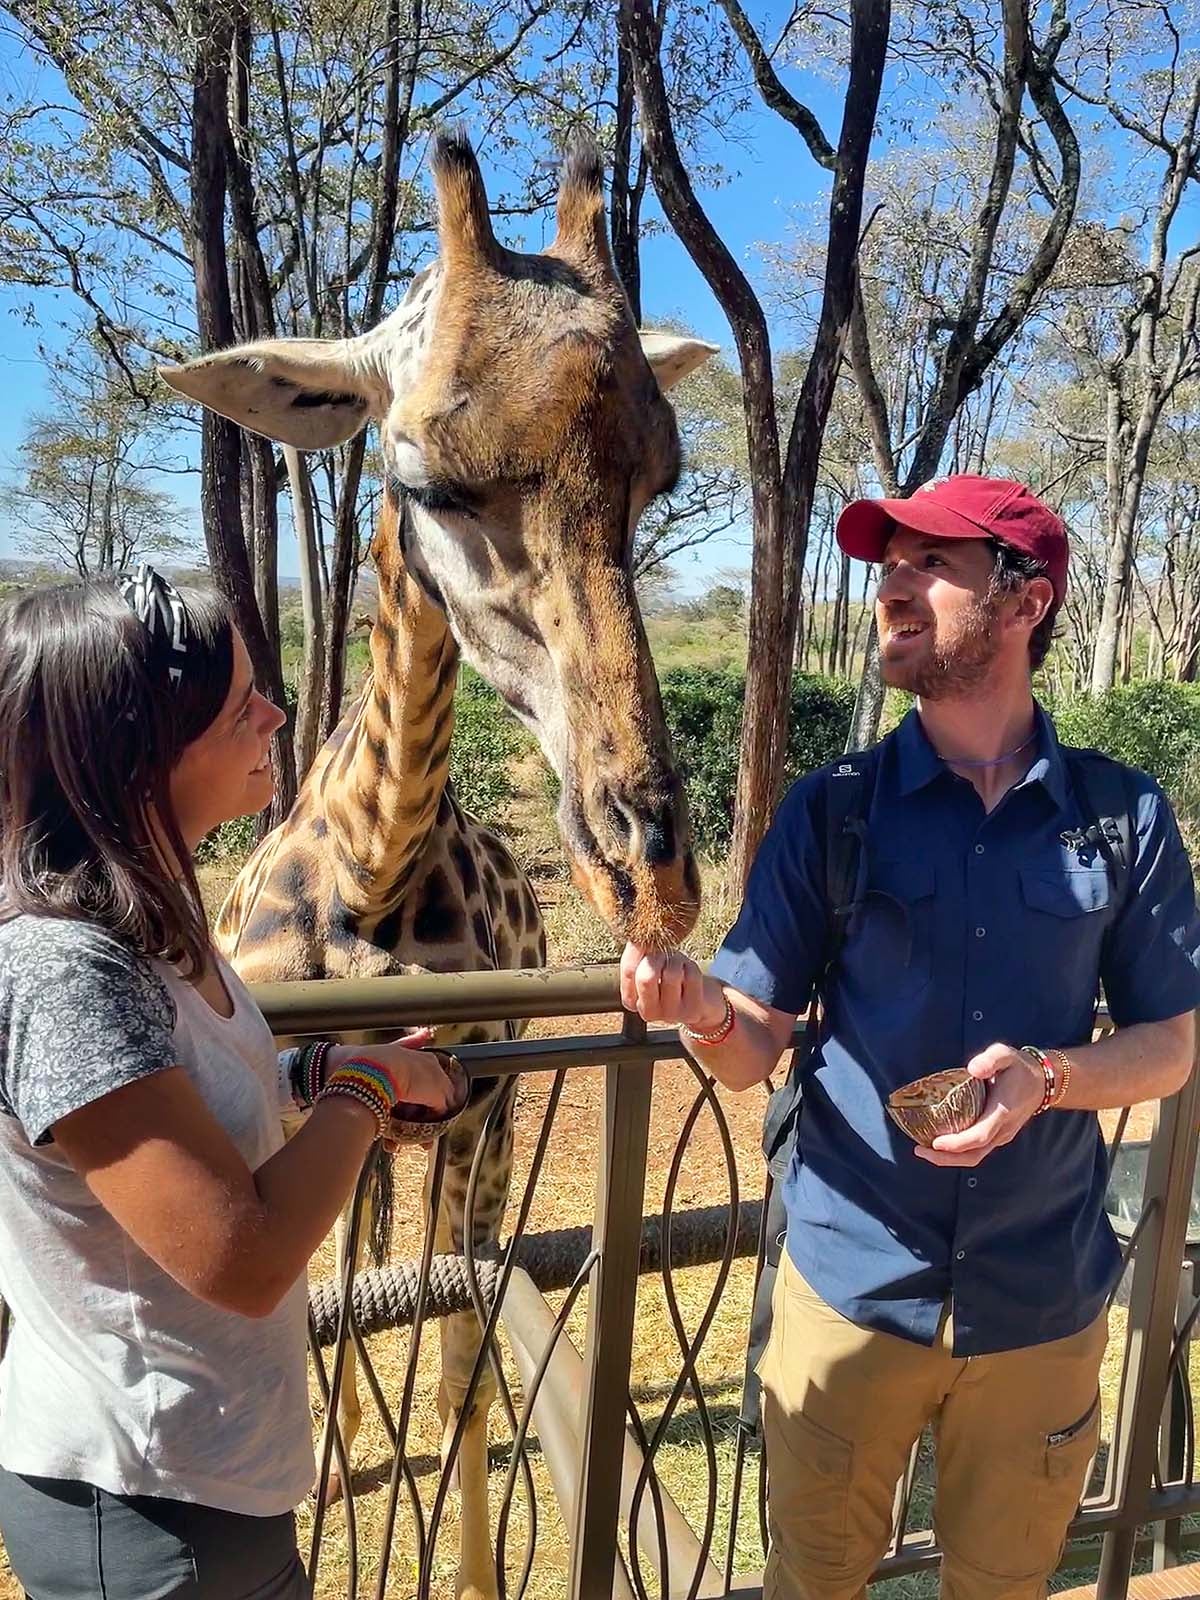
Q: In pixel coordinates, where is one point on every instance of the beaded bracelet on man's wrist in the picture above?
(713, 1036)
(1049, 1081)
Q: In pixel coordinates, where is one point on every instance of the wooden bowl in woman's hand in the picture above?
(414, 1124)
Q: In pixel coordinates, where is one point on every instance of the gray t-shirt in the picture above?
(114, 1373)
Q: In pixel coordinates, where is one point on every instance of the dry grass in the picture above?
(565, 1197)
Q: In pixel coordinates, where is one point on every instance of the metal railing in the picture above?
(626, 1536)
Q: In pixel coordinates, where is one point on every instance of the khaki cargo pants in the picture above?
(842, 1406)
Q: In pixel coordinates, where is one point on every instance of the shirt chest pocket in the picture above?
(891, 943)
(1065, 892)
(1067, 910)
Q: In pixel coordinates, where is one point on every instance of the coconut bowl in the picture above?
(414, 1124)
(941, 1102)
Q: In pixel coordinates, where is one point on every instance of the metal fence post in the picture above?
(1173, 1446)
(611, 1303)
(1153, 1300)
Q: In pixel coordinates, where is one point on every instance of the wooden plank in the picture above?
(1176, 1583)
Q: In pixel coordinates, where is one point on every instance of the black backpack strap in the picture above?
(849, 789)
(846, 803)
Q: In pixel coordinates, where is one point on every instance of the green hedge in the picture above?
(703, 708)
(233, 840)
(486, 737)
(1152, 725)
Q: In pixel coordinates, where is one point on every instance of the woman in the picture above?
(154, 1226)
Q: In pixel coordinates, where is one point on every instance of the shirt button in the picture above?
(972, 1183)
(960, 1255)
(977, 1016)
(979, 932)
(978, 849)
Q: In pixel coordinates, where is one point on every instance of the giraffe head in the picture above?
(524, 429)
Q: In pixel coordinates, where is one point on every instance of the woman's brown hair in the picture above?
(91, 727)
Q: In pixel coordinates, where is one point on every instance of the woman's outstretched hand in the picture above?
(417, 1075)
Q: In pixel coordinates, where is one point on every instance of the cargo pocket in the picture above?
(1066, 1457)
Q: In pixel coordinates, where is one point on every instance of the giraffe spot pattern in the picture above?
(439, 919)
(464, 863)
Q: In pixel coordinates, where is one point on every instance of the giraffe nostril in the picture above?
(619, 820)
(660, 835)
(640, 830)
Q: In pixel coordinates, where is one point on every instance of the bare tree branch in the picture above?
(774, 93)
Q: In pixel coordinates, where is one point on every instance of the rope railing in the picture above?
(386, 1297)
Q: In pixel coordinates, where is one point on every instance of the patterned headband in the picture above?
(158, 607)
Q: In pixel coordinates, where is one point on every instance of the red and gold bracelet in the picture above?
(717, 1035)
(1047, 1068)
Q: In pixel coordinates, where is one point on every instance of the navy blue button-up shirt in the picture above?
(975, 929)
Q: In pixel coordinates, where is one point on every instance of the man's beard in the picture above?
(955, 665)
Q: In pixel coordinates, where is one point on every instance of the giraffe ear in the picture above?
(672, 356)
(309, 393)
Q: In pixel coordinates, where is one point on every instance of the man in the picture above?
(963, 1284)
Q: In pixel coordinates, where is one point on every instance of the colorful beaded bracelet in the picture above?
(356, 1089)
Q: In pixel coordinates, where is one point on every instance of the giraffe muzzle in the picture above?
(633, 859)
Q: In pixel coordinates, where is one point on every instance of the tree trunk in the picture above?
(622, 220)
(765, 723)
(312, 673)
(964, 360)
(108, 518)
(341, 584)
(868, 703)
(220, 445)
(258, 313)
(264, 511)
(842, 658)
(399, 87)
(641, 35)
(1118, 576)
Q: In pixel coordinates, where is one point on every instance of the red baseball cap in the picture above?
(962, 507)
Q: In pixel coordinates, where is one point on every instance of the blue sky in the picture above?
(767, 175)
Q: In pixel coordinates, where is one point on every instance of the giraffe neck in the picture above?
(382, 791)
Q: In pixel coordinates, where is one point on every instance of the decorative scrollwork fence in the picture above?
(624, 1531)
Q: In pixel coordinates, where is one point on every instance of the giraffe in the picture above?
(523, 429)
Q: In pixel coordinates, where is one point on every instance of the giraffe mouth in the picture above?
(650, 897)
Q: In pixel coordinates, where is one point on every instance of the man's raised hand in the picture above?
(668, 987)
